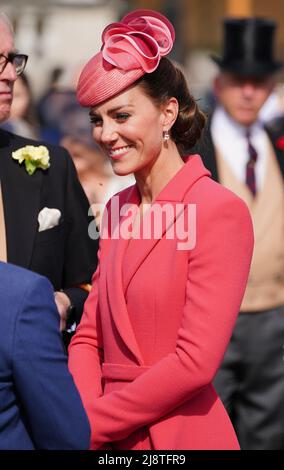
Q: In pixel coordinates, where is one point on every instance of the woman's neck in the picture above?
(150, 182)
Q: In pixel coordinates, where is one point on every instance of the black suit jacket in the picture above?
(205, 146)
(64, 254)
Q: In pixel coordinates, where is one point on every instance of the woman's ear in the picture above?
(170, 113)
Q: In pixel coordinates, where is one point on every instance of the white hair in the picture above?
(5, 19)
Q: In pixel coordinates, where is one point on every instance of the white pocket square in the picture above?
(48, 218)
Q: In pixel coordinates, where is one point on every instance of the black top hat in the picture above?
(248, 47)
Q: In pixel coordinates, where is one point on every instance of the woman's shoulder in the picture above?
(212, 196)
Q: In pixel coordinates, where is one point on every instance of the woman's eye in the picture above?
(96, 121)
(121, 116)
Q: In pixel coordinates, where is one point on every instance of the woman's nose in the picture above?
(108, 133)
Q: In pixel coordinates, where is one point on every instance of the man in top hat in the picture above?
(44, 215)
(243, 154)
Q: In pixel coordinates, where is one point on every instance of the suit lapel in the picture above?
(21, 201)
(274, 133)
(3, 244)
(205, 148)
(207, 152)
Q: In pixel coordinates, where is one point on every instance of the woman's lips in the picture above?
(119, 152)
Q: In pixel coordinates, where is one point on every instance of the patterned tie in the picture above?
(250, 173)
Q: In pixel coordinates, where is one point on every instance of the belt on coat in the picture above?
(122, 371)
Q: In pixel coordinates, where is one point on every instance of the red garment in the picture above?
(158, 321)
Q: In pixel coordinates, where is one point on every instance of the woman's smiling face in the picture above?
(129, 129)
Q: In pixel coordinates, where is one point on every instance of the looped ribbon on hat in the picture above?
(139, 40)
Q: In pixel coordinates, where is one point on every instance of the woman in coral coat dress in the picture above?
(174, 256)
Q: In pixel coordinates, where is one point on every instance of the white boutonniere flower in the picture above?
(34, 157)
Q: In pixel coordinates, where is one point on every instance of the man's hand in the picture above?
(62, 302)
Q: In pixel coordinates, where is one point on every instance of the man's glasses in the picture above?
(18, 60)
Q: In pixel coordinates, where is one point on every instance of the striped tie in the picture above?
(250, 173)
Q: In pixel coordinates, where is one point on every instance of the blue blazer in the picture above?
(40, 407)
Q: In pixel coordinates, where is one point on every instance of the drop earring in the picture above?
(166, 136)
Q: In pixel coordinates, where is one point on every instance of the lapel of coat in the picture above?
(115, 284)
(21, 201)
(275, 130)
(172, 196)
(205, 147)
(113, 277)
(207, 151)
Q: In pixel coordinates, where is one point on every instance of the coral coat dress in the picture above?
(159, 318)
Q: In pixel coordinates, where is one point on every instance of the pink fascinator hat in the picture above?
(130, 48)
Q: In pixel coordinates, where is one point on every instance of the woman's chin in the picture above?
(121, 170)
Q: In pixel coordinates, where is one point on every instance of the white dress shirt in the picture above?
(229, 138)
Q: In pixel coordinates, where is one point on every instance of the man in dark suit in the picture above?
(43, 216)
(245, 156)
(40, 407)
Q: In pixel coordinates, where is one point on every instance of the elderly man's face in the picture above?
(242, 97)
(8, 76)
